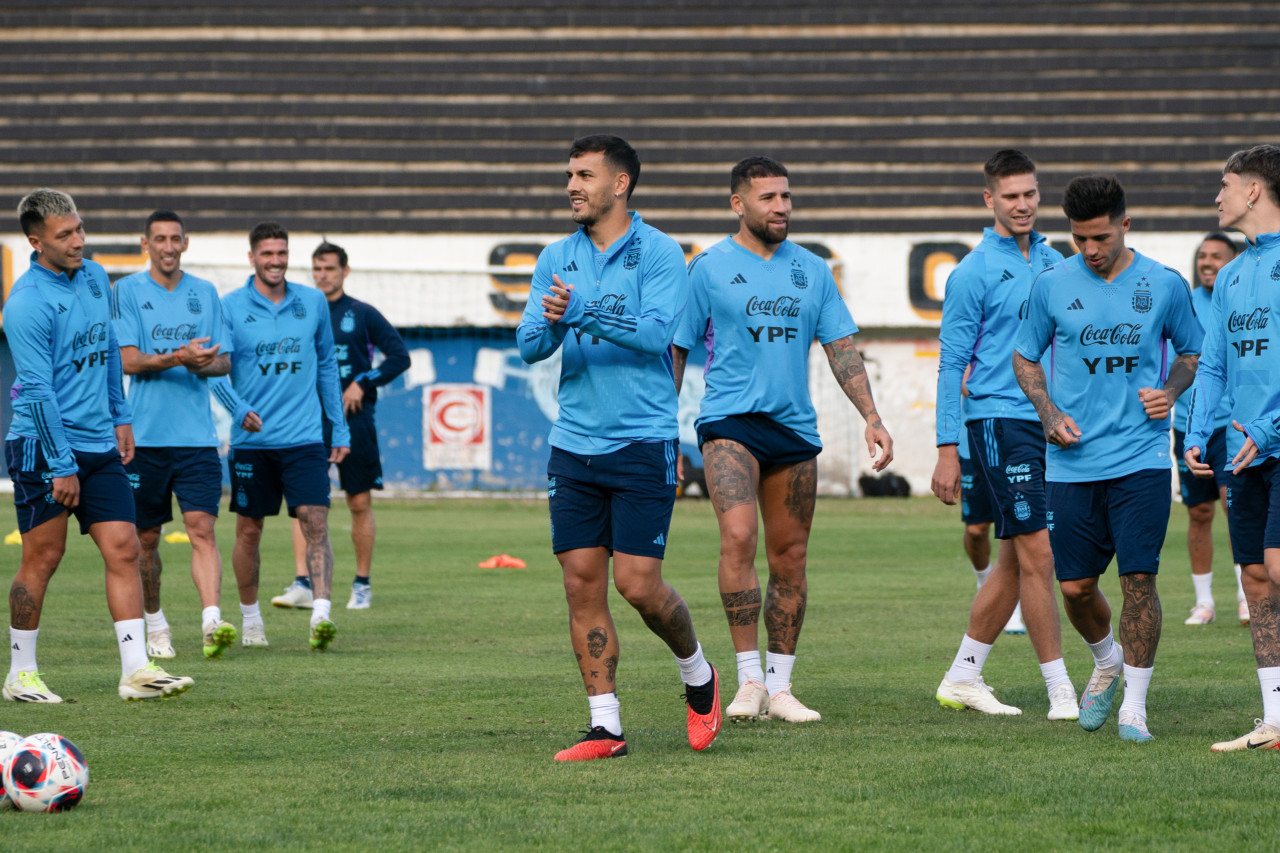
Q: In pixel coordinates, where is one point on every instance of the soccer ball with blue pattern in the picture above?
(7, 741)
(45, 773)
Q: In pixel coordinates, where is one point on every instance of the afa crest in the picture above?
(1275, 272)
(798, 278)
(94, 290)
(348, 323)
(1022, 510)
(632, 259)
(1142, 301)
(299, 311)
(193, 304)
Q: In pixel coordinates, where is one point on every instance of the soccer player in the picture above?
(758, 301)
(1241, 359)
(611, 295)
(981, 312)
(358, 329)
(976, 515)
(1198, 495)
(1109, 317)
(67, 444)
(283, 366)
(169, 324)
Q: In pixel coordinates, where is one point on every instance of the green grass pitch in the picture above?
(432, 721)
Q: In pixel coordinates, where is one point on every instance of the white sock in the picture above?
(777, 673)
(320, 610)
(1055, 674)
(981, 575)
(1239, 586)
(1107, 653)
(604, 712)
(156, 622)
(1136, 681)
(1269, 679)
(694, 670)
(251, 614)
(22, 652)
(1204, 588)
(969, 660)
(749, 668)
(132, 634)
(210, 614)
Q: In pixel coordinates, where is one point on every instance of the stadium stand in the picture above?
(392, 115)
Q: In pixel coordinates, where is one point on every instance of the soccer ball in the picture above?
(7, 741)
(45, 773)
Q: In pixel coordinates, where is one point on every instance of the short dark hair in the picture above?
(1219, 237)
(1261, 161)
(327, 248)
(1006, 162)
(267, 231)
(38, 205)
(1090, 196)
(617, 152)
(755, 167)
(162, 216)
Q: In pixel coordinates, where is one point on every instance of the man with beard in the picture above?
(758, 301)
(611, 294)
(285, 372)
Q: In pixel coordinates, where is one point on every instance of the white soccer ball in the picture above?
(7, 742)
(45, 773)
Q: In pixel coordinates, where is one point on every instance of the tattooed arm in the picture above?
(851, 373)
(679, 358)
(1059, 428)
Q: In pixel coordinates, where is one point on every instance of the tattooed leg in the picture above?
(591, 631)
(149, 567)
(314, 521)
(1264, 609)
(42, 550)
(1140, 619)
(732, 480)
(788, 494)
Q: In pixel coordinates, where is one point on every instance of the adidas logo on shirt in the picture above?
(1006, 276)
(661, 540)
(572, 267)
(62, 309)
(250, 319)
(739, 279)
(146, 306)
(1076, 306)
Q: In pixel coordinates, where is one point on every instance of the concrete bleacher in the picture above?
(394, 115)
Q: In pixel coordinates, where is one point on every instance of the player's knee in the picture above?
(737, 541)
(200, 532)
(149, 538)
(640, 591)
(42, 561)
(1079, 591)
(789, 561)
(1201, 514)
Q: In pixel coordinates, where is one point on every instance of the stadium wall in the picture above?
(470, 415)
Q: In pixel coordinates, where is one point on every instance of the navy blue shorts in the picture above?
(104, 489)
(975, 494)
(156, 474)
(260, 477)
(1253, 511)
(621, 500)
(768, 441)
(362, 469)
(1125, 517)
(1011, 455)
(1196, 491)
